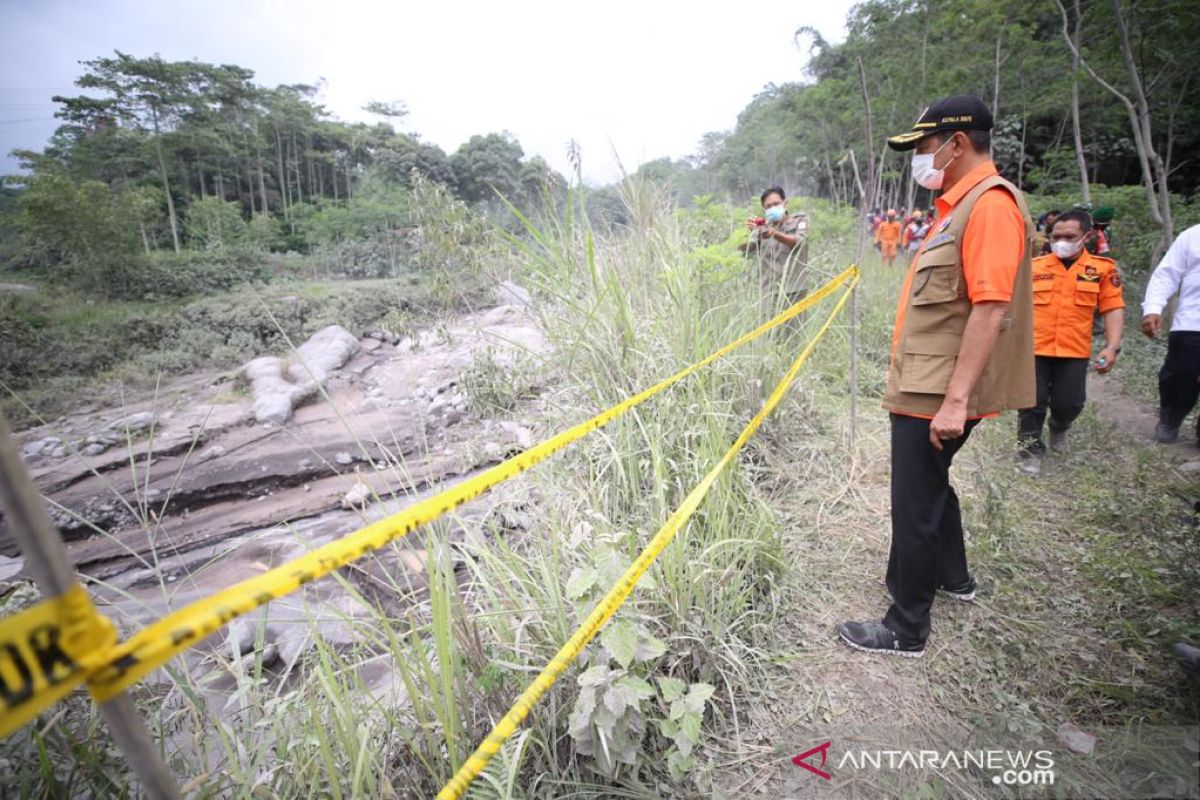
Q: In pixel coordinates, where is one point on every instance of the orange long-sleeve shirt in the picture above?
(1065, 300)
(888, 232)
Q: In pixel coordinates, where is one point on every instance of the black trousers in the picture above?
(1061, 390)
(1177, 386)
(927, 535)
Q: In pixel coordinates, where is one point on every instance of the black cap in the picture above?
(958, 112)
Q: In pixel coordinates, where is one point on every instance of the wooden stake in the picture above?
(46, 559)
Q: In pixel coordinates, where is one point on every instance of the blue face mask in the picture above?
(774, 213)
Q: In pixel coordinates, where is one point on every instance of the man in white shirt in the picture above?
(1179, 378)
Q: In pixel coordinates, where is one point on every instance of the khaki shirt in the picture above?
(775, 270)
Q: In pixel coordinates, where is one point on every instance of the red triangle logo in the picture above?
(802, 760)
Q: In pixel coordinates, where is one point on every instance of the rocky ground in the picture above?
(169, 498)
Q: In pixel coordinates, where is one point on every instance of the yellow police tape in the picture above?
(46, 651)
(612, 601)
(29, 682)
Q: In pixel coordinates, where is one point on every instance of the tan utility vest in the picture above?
(936, 315)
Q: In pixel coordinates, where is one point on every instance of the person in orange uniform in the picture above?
(1069, 286)
(888, 237)
(962, 350)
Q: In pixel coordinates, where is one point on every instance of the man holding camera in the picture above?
(781, 241)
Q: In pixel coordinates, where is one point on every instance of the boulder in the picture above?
(511, 294)
(279, 386)
(325, 351)
(40, 447)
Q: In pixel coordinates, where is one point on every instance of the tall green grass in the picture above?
(637, 715)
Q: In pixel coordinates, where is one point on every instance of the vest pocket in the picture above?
(936, 279)
(927, 363)
(1042, 297)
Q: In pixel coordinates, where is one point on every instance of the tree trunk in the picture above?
(312, 182)
(283, 188)
(262, 178)
(1154, 179)
(1158, 170)
(1075, 127)
(162, 173)
(250, 187)
(858, 182)
(1024, 131)
(910, 196)
(996, 92)
(868, 201)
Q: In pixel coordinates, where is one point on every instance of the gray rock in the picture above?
(94, 449)
(1189, 467)
(305, 463)
(216, 451)
(133, 423)
(241, 636)
(358, 496)
(10, 566)
(453, 415)
(514, 520)
(40, 447)
(522, 435)
(274, 395)
(279, 388)
(59, 452)
(325, 351)
(1076, 740)
(511, 294)
(370, 345)
(344, 458)
(270, 655)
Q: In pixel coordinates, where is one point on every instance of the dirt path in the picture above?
(1088, 576)
(1136, 417)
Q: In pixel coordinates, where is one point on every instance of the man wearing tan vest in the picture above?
(962, 350)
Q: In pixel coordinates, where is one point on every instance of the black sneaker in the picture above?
(875, 637)
(1165, 434)
(965, 593)
(1189, 657)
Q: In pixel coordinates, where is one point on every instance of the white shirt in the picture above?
(1179, 271)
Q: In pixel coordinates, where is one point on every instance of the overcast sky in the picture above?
(645, 79)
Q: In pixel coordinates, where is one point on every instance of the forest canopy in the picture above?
(155, 155)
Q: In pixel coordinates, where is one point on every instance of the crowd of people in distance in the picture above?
(894, 234)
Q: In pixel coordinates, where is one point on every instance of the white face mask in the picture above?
(923, 171)
(1065, 248)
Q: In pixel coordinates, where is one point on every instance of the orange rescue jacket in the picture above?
(1065, 300)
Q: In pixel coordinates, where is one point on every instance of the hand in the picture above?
(768, 233)
(1106, 360)
(1152, 325)
(948, 423)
